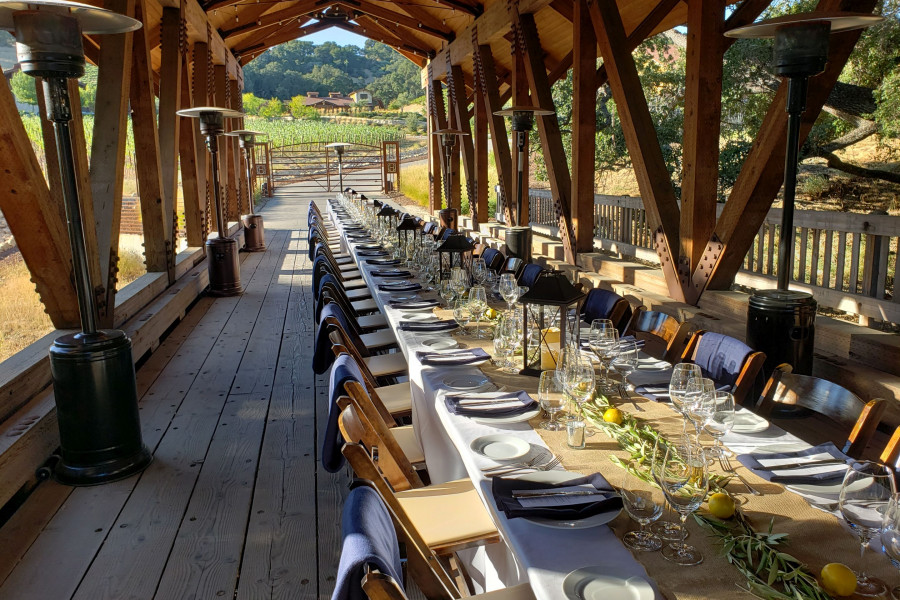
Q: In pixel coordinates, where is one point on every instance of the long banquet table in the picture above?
(544, 556)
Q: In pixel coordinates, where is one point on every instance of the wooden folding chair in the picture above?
(394, 402)
(749, 370)
(664, 336)
(384, 368)
(853, 417)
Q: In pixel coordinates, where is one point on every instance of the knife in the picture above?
(551, 493)
(811, 463)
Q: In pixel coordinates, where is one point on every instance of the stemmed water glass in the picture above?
(461, 312)
(865, 493)
(721, 422)
(668, 531)
(697, 388)
(505, 342)
(509, 289)
(700, 404)
(445, 289)
(624, 361)
(685, 482)
(479, 270)
(642, 504)
(890, 536)
(459, 279)
(579, 382)
(552, 399)
(682, 374)
(477, 306)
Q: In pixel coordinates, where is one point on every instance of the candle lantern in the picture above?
(254, 232)
(551, 309)
(455, 251)
(92, 371)
(408, 231)
(221, 251)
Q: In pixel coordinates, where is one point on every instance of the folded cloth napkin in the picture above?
(399, 287)
(658, 392)
(559, 507)
(383, 261)
(372, 253)
(370, 247)
(760, 463)
(446, 325)
(452, 357)
(414, 304)
(630, 338)
(490, 404)
(358, 236)
(390, 273)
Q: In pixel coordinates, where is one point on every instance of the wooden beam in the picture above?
(278, 17)
(548, 128)
(157, 223)
(564, 8)
(640, 137)
(193, 181)
(247, 15)
(457, 91)
(432, 28)
(226, 150)
(439, 115)
(170, 72)
(399, 39)
(520, 97)
(455, 200)
(235, 103)
(485, 78)
(107, 167)
(286, 33)
(562, 67)
(702, 121)
(200, 30)
(642, 31)
(201, 88)
(434, 147)
(763, 172)
(480, 136)
(35, 218)
(584, 126)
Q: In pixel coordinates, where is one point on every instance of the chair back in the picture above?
(891, 453)
(429, 227)
(493, 258)
(447, 233)
(529, 274)
(848, 411)
(606, 304)
(727, 361)
(344, 369)
(664, 336)
(513, 265)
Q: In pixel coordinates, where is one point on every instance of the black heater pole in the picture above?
(796, 104)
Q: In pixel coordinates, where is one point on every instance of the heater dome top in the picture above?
(91, 19)
(449, 132)
(839, 21)
(197, 111)
(245, 132)
(512, 110)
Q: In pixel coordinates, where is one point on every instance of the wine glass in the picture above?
(668, 531)
(461, 312)
(459, 280)
(865, 492)
(479, 270)
(642, 504)
(625, 361)
(446, 291)
(696, 389)
(580, 383)
(509, 290)
(552, 399)
(890, 536)
(721, 422)
(682, 374)
(477, 306)
(685, 482)
(700, 404)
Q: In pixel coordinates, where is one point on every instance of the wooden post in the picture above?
(453, 123)
(434, 149)
(107, 168)
(156, 222)
(169, 123)
(520, 97)
(35, 217)
(235, 103)
(439, 117)
(584, 126)
(193, 180)
(467, 148)
(702, 118)
(226, 151)
(486, 89)
(201, 91)
(480, 147)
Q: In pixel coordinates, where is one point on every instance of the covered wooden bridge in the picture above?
(236, 503)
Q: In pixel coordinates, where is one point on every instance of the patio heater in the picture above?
(518, 237)
(339, 147)
(254, 232)
(448, 216)
(781, 322)
(93, 371)
(221, 251)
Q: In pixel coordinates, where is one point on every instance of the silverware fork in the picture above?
(520, 465)
(726, 466)
(544, 467)
(623, 393)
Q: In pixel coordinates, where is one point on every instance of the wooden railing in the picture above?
(848, 260)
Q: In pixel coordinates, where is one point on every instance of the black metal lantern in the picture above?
(93, 371)
(455, 251)
(551, 310)
(254, 232)
(408, 230)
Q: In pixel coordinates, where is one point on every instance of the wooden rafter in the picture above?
(644, 29)
(521, 96)
(285, 33)
(480, 135)
(193, 181)
(584, 125)
(379, 32)
(457, 90)
(640, 136)
(169, 122)
(201, 89)
(406, 40)
(299, 9)
(380, 12)
(551, 139)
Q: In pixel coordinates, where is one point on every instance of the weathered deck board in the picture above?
(236, 503)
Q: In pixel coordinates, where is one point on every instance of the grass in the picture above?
(414, 185)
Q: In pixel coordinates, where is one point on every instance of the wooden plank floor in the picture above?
(235, 503)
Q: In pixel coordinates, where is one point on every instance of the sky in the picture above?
(336, 35)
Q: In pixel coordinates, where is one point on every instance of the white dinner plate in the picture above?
(418, 316)
(440, 343)
(508, 420)
(603, 583)
(561, 477)
(748, 422)
(467, 382)
(500, 446)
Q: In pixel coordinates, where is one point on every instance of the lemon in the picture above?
(838, 579)
(492, 314)
(721, 505)
(613, 415)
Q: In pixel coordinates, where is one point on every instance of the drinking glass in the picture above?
(865, 493)
(479, 270)
(446, 291)
(682, 374)
(685, 482)
(643, 504)
(668, 531)
(603, 345)
(890, 536)
(461, 312)
(721, 422)
(509, 290)
(580, 383)
(477, 306)
(459, 280)
(552, 399)
(699, 403)
(624, 361)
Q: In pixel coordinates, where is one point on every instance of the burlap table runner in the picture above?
(814, 537)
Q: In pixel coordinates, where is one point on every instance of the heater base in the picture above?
(254, 233)
(224, 268)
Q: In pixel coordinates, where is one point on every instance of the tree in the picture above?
(272, 108)
(88, 96)
(252, 104)
(23, 87)
(297, 107)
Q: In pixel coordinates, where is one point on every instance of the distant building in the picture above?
(337, 102)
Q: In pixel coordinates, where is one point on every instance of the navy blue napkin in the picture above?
(399, 287)
(452, 357)
(503, 488)
(446, 325)
(509, 404)
(414, 304)
(383, 261)
(795, 476)
(372, 253)
(370, 247)
(390, 273)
